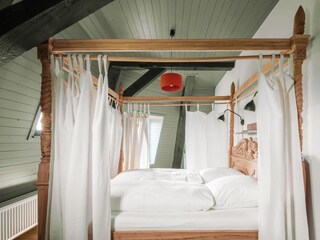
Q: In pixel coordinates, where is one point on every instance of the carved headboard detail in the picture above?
(244, 157)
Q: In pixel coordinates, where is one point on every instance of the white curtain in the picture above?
(282, 209)
(135, 137)
(115, 137)
(205, 141)
(82, 161)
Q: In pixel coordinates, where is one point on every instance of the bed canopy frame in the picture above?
(297, 45)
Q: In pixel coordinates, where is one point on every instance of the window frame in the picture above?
(34, 132)
(152, 161)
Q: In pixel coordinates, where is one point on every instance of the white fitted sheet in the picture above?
(227, 219)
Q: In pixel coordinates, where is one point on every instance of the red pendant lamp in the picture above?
(171, 82)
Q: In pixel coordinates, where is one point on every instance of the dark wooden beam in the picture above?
(211, 66)
(113, 76)
(144, 81)
(31, 22)
(180, 137)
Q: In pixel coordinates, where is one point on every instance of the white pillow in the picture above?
(160, 196)
(160, 174)
(234, 192)
(209, 174)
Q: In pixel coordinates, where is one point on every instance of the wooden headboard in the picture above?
(244, 157)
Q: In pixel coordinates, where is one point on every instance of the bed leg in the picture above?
(46, 108)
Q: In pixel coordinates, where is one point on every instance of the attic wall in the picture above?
(19, 99)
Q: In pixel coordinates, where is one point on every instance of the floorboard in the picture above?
(30, 235)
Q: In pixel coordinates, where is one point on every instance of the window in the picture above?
(36, 127)
(155, 132)
(39, 124)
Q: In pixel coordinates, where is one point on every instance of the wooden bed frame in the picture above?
(297, 44)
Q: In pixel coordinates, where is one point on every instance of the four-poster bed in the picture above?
(238, 156)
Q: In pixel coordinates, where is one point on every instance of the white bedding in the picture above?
(159, 195)
(160, 174)
(229, 219)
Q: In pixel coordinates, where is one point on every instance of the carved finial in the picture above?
(232, 88)
(299, 21)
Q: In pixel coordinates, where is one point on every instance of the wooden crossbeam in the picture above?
(198, 66)
(176, 99)
(156, 45)
(144, 81)
(29, 23)
(242, 90)
(182, 60)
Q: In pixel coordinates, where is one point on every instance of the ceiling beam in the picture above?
(144, 81)
(180, 136)
(206, 66)
(28, 23)
(176, 45)
(113, 76)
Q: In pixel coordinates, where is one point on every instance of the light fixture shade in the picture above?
(250, 106)
(171, 82)
(221, 118)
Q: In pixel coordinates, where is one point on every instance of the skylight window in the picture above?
(39, 124)
(36, 126)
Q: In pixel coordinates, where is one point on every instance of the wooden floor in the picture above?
(30, 235)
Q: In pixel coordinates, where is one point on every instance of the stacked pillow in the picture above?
(209, 174)
(179, 190)
(230, 188)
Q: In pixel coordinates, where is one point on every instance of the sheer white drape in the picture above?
(205, 141)
(82, 161)
(115, 138)
(282, 209)
(135, 137)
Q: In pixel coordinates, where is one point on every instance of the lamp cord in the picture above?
(172, 33)
(233, 113)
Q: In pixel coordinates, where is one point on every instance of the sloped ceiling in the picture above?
(192, 19)
(20, 79)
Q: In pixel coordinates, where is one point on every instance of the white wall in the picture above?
(280, 24)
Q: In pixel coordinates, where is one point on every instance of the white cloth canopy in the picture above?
(282, 208)
(135, 138)
(205, 141)
(82, 160)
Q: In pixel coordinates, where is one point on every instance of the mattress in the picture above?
(227, 219)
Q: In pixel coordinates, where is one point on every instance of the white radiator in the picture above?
(18, 217)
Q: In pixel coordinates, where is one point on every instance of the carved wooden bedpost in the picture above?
(231, 126)
(299, 43)
(44, 51)
(120, 167)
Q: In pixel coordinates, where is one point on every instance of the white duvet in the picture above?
(160, 196)
(179, 190)
(160, 174)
